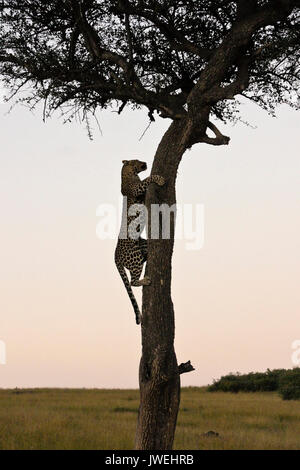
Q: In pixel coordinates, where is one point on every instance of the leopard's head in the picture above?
(134, 166)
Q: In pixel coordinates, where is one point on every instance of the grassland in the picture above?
(106, 419)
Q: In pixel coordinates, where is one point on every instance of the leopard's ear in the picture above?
(124, 161)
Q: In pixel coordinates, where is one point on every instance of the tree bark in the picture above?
(159, 375)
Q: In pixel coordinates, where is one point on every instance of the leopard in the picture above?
(131, 250)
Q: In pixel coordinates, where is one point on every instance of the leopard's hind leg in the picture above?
(143, 244)
(136, 270)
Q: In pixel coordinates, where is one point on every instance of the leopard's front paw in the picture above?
(158, 180)
(146, 281)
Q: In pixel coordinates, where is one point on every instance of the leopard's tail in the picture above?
(127, 285)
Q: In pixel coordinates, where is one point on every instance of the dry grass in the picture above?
(106, 419)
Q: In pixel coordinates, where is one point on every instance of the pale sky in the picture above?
(66, 319)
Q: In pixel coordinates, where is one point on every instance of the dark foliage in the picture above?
(287, 382)
(289, 385)
(87, 54)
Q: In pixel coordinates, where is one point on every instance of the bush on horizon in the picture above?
(289, 385)
(285, 381)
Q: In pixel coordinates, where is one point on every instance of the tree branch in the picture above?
(185, 367)
(9, 58)
(230, 51)
(220, 139)
(177, 40)
(73, 41)
(244, 7)
(169, 106)
(129, 40)
(92, 39)
(237, 86)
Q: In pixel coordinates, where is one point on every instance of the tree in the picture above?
(186, 61)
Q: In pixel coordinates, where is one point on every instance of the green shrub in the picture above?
(289, 385)
(258, 381)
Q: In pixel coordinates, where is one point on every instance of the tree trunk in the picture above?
(159, 374)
